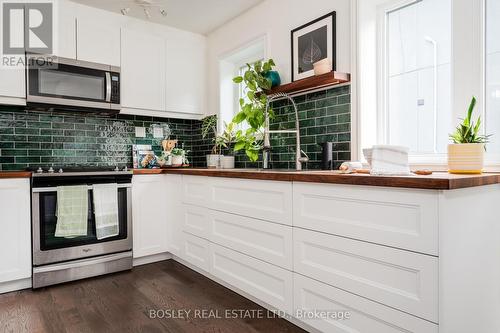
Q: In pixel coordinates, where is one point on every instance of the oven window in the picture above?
(48, 221)
(61, 83)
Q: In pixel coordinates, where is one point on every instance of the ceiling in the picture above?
(201, 16)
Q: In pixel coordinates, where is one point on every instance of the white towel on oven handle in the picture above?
(106, 210)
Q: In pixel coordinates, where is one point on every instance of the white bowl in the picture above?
(367, 152)
(322, 67)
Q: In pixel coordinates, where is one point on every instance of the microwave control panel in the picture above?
(115, 88)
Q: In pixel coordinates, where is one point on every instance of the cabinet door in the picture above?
(65, 29)
(143, 71)
(174, 213)
(12, 82)
(98, 43)
(185, 68)
(15, 223)
(150, 229)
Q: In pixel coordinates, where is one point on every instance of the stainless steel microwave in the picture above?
(72, 84)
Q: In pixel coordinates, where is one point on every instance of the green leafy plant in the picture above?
(209, 129)
(228, 137)
(178, 152)
(209, 125)
(252, 108)
(468, 131)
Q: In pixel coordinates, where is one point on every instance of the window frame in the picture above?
(468, 64)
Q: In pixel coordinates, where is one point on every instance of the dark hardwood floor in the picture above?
(122, 302)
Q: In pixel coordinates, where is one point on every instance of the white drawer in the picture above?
(365, 316)
(266, 282)
(196, 251)
(195, 190)
(266, 200)
(402, 218)
(404, 280)
(196, 220)
(267, 241)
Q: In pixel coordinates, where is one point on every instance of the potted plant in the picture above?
(209, 130)
(466, 153)
(178, 155)
(252, 108)
(226, 140)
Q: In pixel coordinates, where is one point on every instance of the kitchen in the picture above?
(249, 166)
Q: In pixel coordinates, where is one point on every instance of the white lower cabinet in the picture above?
(404, 280)
(312, 250)
(263, 240)
(196, 251)
(173, 212)
(15, 238)
(402, 218)
(268, 283)
(313, 299)
(150, 222)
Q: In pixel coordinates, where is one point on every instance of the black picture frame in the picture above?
(333, 41)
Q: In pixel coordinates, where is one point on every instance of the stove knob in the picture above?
(60, 171)
(51, 170)
(125, 168)
(39, 170)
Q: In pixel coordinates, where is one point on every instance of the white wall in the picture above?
(275, 19)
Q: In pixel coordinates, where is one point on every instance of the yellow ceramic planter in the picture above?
(466, 158)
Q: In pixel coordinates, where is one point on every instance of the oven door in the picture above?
(47, 248)
(72, 83)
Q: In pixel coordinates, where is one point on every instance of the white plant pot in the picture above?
(177, 160)
(214, 161)
(227, 162)
(466, 158)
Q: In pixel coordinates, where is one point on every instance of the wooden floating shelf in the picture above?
(312, 83)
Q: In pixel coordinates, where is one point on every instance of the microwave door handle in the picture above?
(108, 87)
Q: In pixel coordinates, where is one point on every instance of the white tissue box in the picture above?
(390, 160)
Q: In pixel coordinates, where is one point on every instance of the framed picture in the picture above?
(312, 42)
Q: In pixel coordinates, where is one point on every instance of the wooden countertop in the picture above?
(436, 181)
(15, 174)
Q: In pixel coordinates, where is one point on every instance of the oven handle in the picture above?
(108, 87)
(53, 189)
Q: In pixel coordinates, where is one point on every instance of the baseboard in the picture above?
(152, 258)
(294, 321)
(6, 287)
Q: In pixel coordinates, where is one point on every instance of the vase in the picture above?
(466, 158)
(214, 161)
(177, 160)
(227, 162)
(274, 76)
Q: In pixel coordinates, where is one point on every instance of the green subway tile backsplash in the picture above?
(323, 116)
(33, 138)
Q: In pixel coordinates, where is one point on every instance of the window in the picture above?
(416, 109)
(418, 64)
(492, 77)
(232, 65)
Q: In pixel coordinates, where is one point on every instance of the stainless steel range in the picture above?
(61, 259)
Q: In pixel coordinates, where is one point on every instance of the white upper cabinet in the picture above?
(65, 29)
(98, 42)
(143, 71)
(186, 79)
(12, 82)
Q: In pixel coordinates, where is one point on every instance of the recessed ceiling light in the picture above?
(125, 11)
(163, 12)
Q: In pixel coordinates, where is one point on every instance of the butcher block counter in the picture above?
(436, 181)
